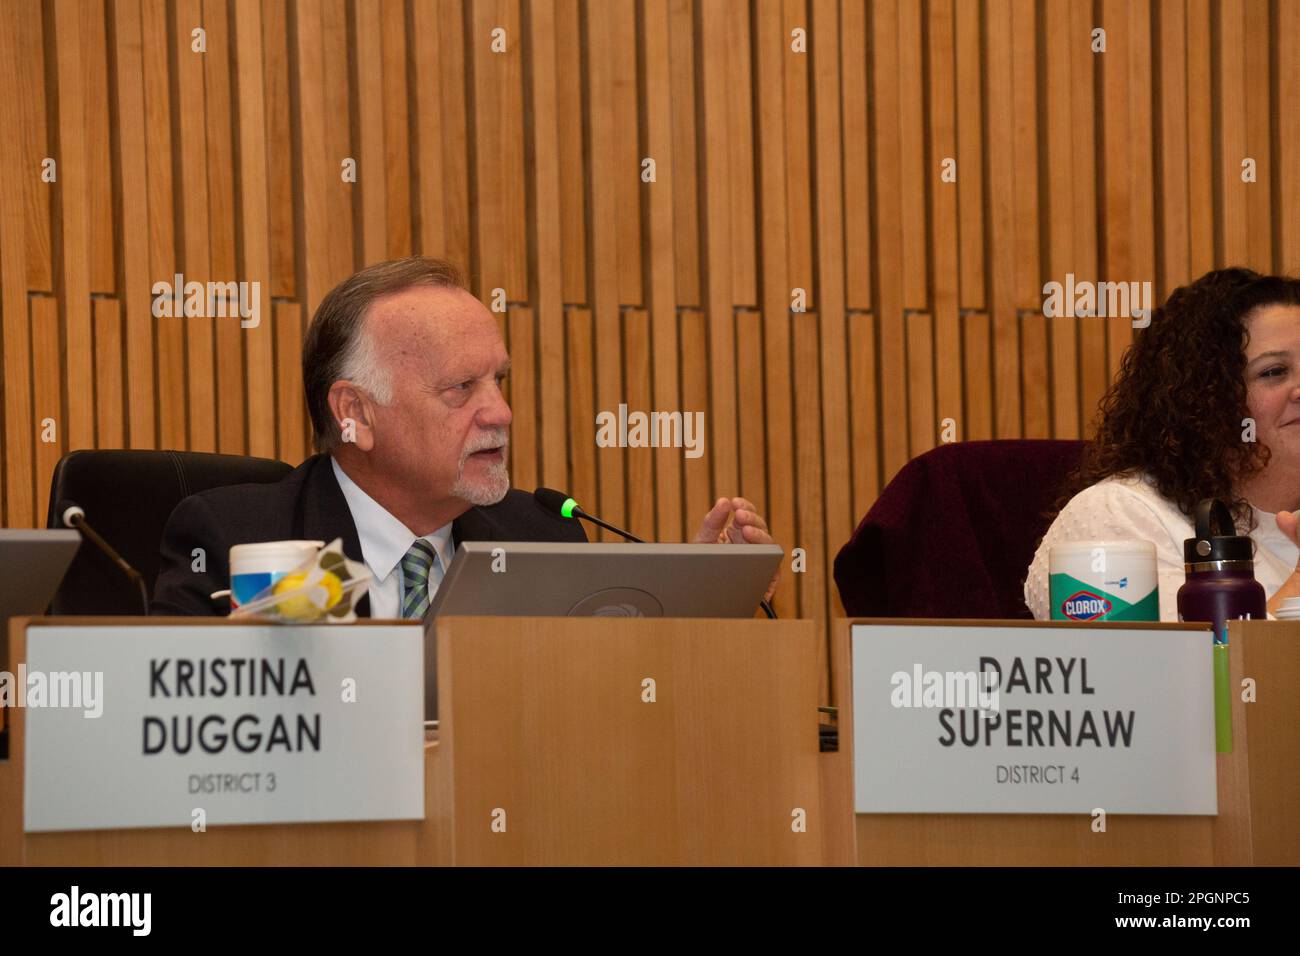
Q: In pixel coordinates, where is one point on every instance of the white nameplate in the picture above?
(222, 724)
(1079, 719)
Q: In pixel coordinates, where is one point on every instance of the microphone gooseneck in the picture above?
(74, 517)
(557, 502)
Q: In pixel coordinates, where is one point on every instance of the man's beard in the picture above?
(493, 487)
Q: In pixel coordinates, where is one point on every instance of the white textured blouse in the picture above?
(1132, 508)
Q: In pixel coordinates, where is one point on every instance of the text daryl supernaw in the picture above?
(1034, 727)
(238, 678)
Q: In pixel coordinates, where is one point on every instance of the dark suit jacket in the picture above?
(307, 504)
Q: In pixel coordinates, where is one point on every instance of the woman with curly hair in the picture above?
(1206, 405)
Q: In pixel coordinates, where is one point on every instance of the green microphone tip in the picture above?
(566, 509)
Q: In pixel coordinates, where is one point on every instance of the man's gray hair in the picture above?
(339, 346)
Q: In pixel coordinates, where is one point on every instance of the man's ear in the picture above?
(353, 412)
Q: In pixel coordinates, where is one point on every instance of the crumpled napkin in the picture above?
(323, 590)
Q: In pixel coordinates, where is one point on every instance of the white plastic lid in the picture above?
(272, 549)
(1133, 546)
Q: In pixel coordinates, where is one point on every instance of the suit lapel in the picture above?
(323, 514)
(473, 525)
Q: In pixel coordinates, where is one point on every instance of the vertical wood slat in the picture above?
(1257, 116)
(498, 131)
(889, 213)
(110, 416)
(864, 443)
(1092, 333)
(254, 225)
(426, 127)
(396, 152)
(1119, 330)
(715, 38)
(1062, 183)
(131, 218)
(814, 583)
(47, 399)
(1001, 249)
(1025, 95)
(942, 137)
(190, 110)
(372, 180)
(977, 375)
(72, 279)
(582, 406)
(1230, 117)
(341, 194)
(454, 135)
(771, 50)
(682, 43)
(523, 397)
(1288, 136)
(805, 376)
(229, 333)
(163, 262)
(660, 233)
(1201, 161)
(277, 48)
(28, 83)
(920, 382)
(603, 277)
(570, 122)
(292, 439)
(970, 154)
(856, 137)
(1035, 387)
(830, 279)
(740, 137)
(1175, 265)
(752, 483)
(1118, 185)
(546, 244)
(863, 379)
(799, 132)
(313, 167)
(916, 177)
(628, 188)
(102, 249)
(640, 461)
(19, 425)
(693, 334)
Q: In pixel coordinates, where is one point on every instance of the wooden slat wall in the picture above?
(776, 169)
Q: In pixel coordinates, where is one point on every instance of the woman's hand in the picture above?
(1288, 524)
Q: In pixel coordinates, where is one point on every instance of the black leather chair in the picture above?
(127, 497)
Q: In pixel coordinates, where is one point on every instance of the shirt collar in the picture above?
(384, 539)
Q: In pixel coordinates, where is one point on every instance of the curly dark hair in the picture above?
(1175, 410)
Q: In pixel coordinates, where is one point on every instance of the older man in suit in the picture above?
(402, 369)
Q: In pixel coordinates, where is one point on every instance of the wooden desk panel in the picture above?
(1258, 786)
(543, 717)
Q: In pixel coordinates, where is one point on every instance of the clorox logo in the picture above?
(1085, 606)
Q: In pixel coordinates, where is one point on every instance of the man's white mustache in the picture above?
(501, 441)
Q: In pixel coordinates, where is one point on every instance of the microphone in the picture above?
(558, 503)
(74, 517)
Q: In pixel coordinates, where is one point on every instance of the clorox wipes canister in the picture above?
(1103, 581)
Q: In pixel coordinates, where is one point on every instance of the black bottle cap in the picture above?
(1216, 536)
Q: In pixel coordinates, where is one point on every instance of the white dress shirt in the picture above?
(1133, 508)
(384, 542)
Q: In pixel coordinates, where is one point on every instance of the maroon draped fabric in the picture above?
(953, 534)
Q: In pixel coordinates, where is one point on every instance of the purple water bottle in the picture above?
(1220, 566)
